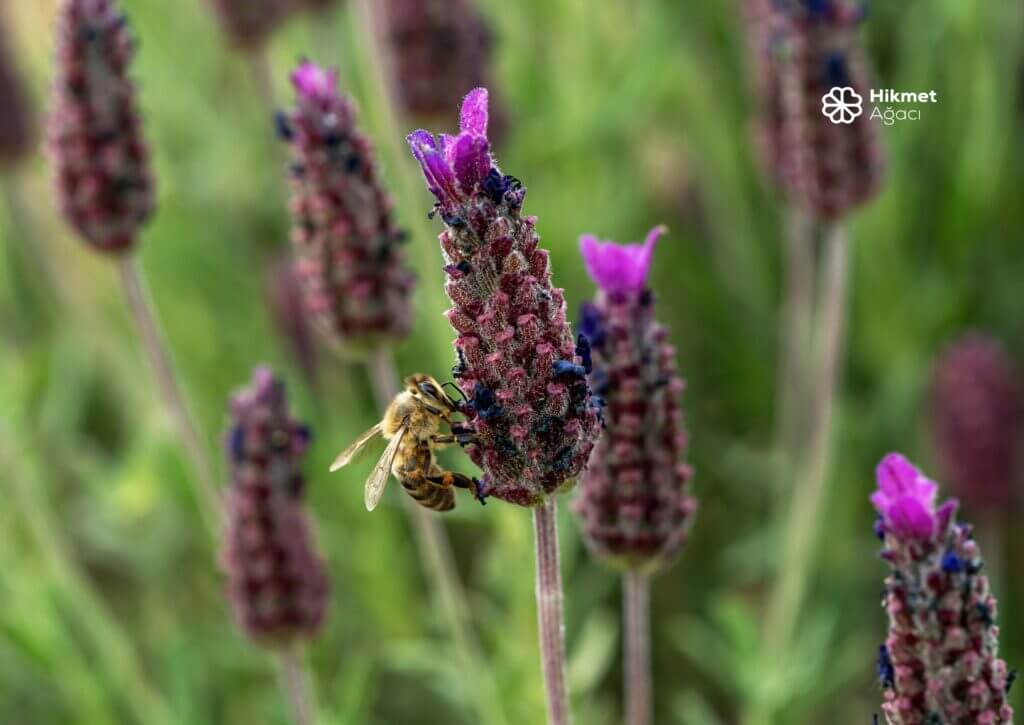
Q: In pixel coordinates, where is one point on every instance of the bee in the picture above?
(412, 428)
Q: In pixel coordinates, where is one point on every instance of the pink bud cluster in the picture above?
(530, 410)
(94, 133)
(940, 662)
(277, 583)
(348, 248)
(977, 411)
(635, 507)
(805, 50)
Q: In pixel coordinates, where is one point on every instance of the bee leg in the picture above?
(450, 478)
(441, 441)
(463, 435)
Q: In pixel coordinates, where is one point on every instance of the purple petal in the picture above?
(473, 119)
(895, 474)
(470, 158)
(312, 81)
(439, 176)
(421, 138)
(619, 267)
(908, 517)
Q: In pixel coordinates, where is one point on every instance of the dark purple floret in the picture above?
(530, 410)
(350, 261)
(276, 581)
(634, 506)
(94, 133)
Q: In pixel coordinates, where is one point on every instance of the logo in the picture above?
(842, 105)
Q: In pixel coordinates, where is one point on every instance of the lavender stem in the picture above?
(808, 495)
(166, 379)
(439, 562)
(263, 76)
(636, 605)
(795, 334)
(295, 683)
(550, 617)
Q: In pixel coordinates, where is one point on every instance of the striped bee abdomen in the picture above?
(416, 473)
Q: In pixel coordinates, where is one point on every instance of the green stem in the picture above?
(550, 614)
(296, 684)
(636, 615)
(153, 342)
(804, 519)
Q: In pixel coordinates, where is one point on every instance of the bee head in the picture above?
(427, 390)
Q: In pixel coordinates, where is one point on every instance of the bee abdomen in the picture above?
(430, 495)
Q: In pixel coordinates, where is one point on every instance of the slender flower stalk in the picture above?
(803, 52)
(638, 682)
(530, 410)
(276, 581)
(248, 25)
(635, 508)
(940, 663)
(104, 186)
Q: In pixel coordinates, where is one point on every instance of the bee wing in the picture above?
(378, 478)
(358, 446)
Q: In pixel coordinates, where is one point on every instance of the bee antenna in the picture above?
(454, 387)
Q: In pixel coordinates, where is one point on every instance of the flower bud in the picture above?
(94, 133)
(276, 581)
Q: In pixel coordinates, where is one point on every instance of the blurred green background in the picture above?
(623, 115)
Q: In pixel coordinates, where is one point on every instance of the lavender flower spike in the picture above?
(348, 247)
(530, 407)
(249, 23)
(635, 508)
(277, 583)
(94, 133)
(940, 662)
(977, 416)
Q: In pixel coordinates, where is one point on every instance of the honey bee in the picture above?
(412, 428)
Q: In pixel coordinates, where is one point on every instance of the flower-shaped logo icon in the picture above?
(842, 105)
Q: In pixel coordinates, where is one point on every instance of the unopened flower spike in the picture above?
(277, 583)
(94, 133)
(634, 506)
(349, 250)
(530, 409)
(940, 662)
(440, 48)
(977, 413)
(816, 130)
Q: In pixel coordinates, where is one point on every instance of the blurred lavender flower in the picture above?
(976, 414)
(804, 50)
(288, 312)
(441, 48)
(940, 661)
(530, 405)
(356, 286)
(276, 581)
(94, 133)
(248, 23)
(16, 122)
(634, 506)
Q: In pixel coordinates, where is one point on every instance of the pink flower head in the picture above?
(314, 82)
(619, 268)
(456, 167)
(905, 499)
